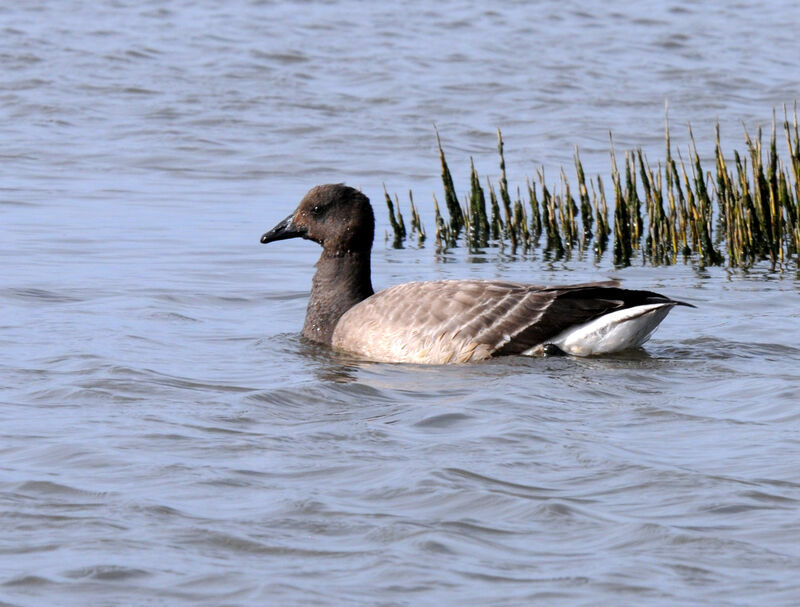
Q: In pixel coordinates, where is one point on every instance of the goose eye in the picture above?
(316, 210)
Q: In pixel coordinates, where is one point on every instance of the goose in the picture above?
(450, 321)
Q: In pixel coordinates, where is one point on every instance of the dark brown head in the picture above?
(336, 216)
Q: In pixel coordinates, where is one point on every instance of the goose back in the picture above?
(456, 321)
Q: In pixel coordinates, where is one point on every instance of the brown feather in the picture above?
(461, 320)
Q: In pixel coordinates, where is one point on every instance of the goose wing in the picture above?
(575, 305)
(463, 320)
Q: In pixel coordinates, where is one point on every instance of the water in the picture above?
(167, 438)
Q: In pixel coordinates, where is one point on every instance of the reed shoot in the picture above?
(743, 211)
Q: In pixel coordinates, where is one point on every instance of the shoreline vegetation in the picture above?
(742, 212)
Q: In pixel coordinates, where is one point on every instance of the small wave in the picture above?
(107, 573)
(443, 421)
(238, 544)
(27, 581)
(42, 295)
(717, 348)
(49, 488)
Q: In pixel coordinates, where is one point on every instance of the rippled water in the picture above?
(167, 438)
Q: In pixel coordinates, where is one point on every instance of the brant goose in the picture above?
(450, 321)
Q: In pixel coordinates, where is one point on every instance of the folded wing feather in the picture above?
(467, 320)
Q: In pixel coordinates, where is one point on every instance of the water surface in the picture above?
(167, 438)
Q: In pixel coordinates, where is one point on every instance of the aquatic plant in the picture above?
(738, 214)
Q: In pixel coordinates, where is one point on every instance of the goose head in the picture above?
(335, 216)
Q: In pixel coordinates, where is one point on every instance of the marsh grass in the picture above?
(743, 211)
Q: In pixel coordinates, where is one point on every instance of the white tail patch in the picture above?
(614, 332)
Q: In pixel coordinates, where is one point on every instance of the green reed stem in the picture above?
(745, 211)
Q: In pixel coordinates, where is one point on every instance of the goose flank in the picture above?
(450, 321)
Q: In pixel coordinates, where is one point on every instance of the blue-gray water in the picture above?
(166, 438)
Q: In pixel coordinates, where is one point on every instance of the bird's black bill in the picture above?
(282, 231)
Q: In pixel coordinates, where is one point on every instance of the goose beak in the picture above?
(285, 229)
